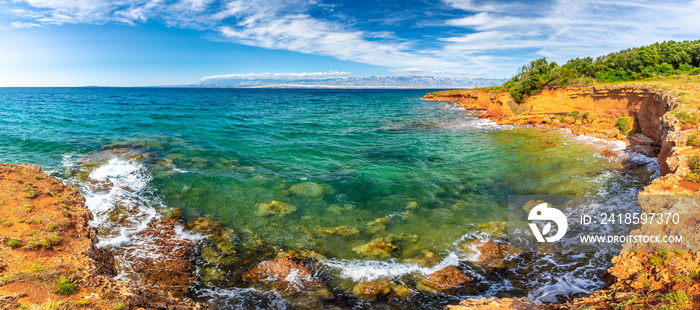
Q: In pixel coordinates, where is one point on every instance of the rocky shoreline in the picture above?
(641, 116)
(49, 257)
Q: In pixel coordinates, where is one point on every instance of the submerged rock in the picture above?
(496, 228)
(448, 280)
(412, 205)
(275, 208)
(428, 259)
(371, 290)
(376, 248)
(339, 230)
(377, 225)
(310, 189)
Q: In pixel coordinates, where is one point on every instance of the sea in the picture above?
(376, 164)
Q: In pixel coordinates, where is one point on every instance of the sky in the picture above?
(171, 42)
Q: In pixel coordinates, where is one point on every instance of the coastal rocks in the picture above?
(376, 248)
(168, 264)
(608, 153)
(275, 208)
(494, 304)
(76, 257)
(449, 280)
(286, 274)
(310, 189)
(644, 145)
(491, 253)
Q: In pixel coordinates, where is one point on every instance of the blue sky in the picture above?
(164, 42)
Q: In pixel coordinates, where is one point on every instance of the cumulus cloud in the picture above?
(281, 76)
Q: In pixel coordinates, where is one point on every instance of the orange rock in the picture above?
(286, 274)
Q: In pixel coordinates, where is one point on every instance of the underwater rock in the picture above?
(428, 259)
(377, 225)
(448, 280)
(338, 209)
(412, 205)
(496, 228)
(204, 225)
(310, 189)
(531, 204)
(339, 230)
(492, 253)
(371, 290)
(275, 207)
(172, 213)
(377, 248)
(288, 275)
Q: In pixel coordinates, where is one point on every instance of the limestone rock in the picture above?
(448, 280)
(376, 248)
(275, 208)
(491, 253)
(286, 275)
(371, 290)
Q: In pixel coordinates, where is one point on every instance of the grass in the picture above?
(6, 223)
(14, 243)
(693, 139)
(676, 299)
(65, 286)
(37, 268)
(38, 177)
(694, 164)
(658, 259)
(53, 227)
(119, 306)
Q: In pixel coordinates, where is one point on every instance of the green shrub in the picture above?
(65, 287)
(693, 140)
(119, 306)
(624, 124)
(53, 227)
(574, 114)
(14, 243)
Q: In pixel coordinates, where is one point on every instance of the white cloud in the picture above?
(269, 75)
(407, 71)
(491, 38)
(23, 25)
(572, 28)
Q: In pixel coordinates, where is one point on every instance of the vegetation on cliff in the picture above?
(666, 58)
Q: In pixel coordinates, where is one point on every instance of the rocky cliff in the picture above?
(48, 253)
(640, 278)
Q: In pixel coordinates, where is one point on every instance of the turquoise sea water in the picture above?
(429, 173)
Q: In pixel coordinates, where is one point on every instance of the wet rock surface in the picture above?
(29, 274)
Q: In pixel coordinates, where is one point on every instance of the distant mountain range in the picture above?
(352, 82)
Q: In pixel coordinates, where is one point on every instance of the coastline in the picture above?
(656, 132)
(49, 255)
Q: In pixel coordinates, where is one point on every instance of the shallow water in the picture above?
(429, 173)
